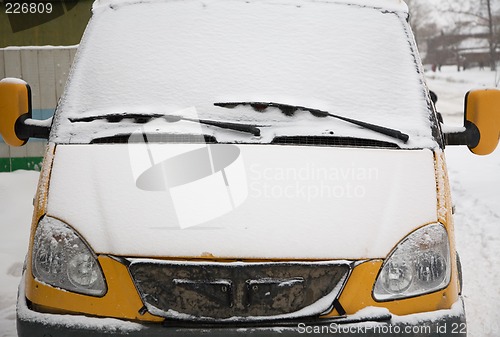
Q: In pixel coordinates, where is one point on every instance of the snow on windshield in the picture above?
(167, 56)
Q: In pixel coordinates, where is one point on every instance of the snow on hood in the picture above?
(242, 201)
(168, 56)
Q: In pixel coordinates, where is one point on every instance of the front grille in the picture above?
(238, 291)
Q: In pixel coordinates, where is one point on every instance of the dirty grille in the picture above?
(242, 291)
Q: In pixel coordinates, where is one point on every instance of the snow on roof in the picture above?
(394, 5)
(47, 47)
(474, 43)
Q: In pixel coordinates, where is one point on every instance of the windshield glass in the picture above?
(173, 57)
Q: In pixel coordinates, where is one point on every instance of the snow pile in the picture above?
(473, 78)
(107, 325)
(17, 190)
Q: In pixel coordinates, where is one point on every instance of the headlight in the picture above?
(419, 264)
(62, 259)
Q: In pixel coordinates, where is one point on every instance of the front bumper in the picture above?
(372, 322)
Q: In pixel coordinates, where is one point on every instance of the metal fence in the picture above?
(45, 69)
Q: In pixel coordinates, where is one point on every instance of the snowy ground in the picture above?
(474, 183)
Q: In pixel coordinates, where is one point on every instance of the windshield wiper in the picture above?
(143, 118)
(289, 110)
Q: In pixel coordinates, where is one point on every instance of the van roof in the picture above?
(393, 5)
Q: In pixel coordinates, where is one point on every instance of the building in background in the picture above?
(462, 50)
(39, 48)
(63, 26)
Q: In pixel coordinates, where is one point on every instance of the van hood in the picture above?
(242, 201)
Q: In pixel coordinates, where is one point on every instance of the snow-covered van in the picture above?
(244, 167)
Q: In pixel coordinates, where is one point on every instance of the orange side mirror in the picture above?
(482, 108)
(15, 107)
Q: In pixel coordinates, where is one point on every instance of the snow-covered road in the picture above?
(16, 194)
(475, 185)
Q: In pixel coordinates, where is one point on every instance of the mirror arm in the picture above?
(29, 128)
(469, 137)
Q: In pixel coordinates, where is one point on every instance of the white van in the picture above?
(233, 167)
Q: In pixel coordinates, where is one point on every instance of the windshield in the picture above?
(171, 57)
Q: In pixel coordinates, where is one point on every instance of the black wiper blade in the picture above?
(122, 138)
(144, 118)
(248, 128)
(289, 110)
(117, 117)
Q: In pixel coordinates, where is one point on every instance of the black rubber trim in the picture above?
(469, 137)
(443, 324)
(339, 307)
(25, 131)
(21, 129)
